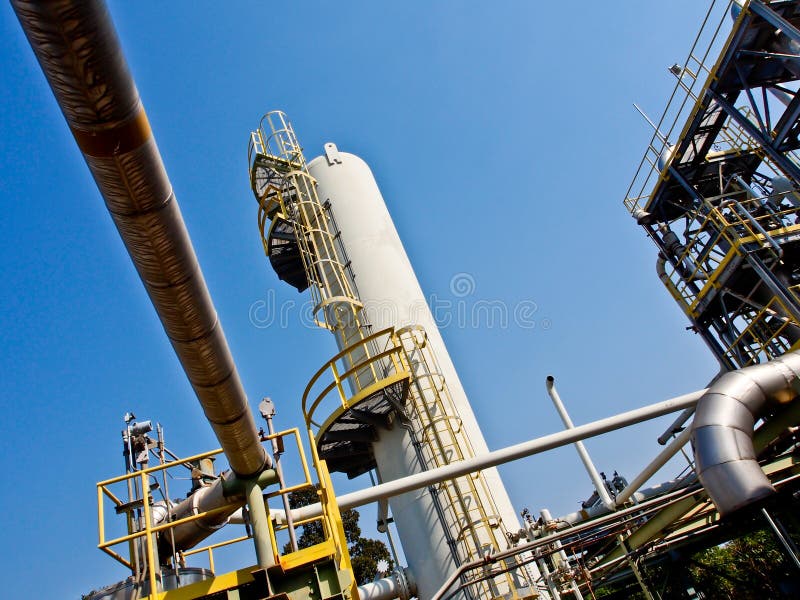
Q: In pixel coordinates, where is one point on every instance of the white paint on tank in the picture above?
(392, 297)
(414, 513)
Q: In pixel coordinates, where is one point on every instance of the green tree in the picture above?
(364, 555)
(364, 552)
(751, 567)
(709, 570)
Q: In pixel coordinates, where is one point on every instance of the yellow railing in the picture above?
(331, 285)
(734, 224)
(693, 79)
(140, 536)
(367, 369)
(380, 360)
(209, 550)
(134, 531)
(760, 340)
(275, 136)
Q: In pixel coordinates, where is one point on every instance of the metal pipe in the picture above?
(599, 485)
(227, 491)
(511, 453)
(77, 47)
(133, 520)
(638, 497)
(676, 426)
(529, 548)
(784, 540)
(259, 520)
(651, 469)
(654, 525)
(576, 590)
(267, 410)
(661, 269)
(501, 456)
(548, 579)
(722, 432)
(383, 589)
(656, 131)
(399, 585)
(167, 502)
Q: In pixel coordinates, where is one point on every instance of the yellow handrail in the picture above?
(151, 528)
(676, 108)
(393, 353)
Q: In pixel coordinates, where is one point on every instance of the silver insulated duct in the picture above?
(723, 430)
(78, 49)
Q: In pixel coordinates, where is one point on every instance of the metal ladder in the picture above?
(467, 501)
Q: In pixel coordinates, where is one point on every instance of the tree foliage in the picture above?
(364, 552)
(751, 567)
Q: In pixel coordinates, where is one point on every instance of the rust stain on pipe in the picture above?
(77, 47)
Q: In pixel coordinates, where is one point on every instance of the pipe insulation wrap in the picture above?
(188, 535)
(722, 431)
(77, 47)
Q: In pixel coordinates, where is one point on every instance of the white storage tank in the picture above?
(392, 297)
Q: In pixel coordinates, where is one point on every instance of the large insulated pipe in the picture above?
(722, 431)
(77, 47)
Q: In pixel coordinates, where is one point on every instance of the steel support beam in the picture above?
(780, 159)
(773, 18)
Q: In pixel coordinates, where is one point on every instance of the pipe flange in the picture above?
(407, 586)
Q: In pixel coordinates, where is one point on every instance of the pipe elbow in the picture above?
(722, 431)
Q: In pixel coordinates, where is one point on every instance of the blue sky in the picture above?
(503, 138)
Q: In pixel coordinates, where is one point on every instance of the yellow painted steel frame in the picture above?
(332, 517)
(736, 232)
(723, 235)
(219, 583)
(335, 546)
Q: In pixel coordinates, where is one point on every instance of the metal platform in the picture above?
(712, 144)
(717, 188)
(360, 390)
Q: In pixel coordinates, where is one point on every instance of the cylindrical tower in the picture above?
(388, 287)
(399, 406)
